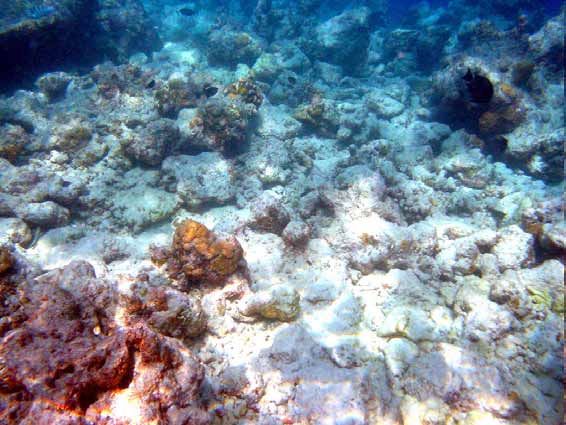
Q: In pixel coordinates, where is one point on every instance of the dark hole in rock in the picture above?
(87, 397)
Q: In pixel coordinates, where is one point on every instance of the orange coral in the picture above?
(200, 256)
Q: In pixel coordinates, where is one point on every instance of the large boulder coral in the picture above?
(65, 359)
(198, 255)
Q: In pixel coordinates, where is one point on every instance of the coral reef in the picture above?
(200, 180)
(501, 122)
(522, 72)
(36, 196)
(297, 233)
(123, 27)
(112, 81)
(278, 303)
(546, 222)
(393, 173)
(270, 214)
(246, 90)
(15, 231)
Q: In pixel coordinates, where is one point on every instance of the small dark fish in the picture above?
(187, 11)
(291, 79)
(150, 85)
(210, 91)
(479, 87)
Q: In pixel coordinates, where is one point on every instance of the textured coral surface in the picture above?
(66, 359)
(201, 256)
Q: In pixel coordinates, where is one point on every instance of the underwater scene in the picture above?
(278, 212)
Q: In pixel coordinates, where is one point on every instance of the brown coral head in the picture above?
(6, 260)
(201, 256)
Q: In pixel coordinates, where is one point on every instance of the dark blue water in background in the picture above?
(553, 6)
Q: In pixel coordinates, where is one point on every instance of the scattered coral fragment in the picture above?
(277, 303)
